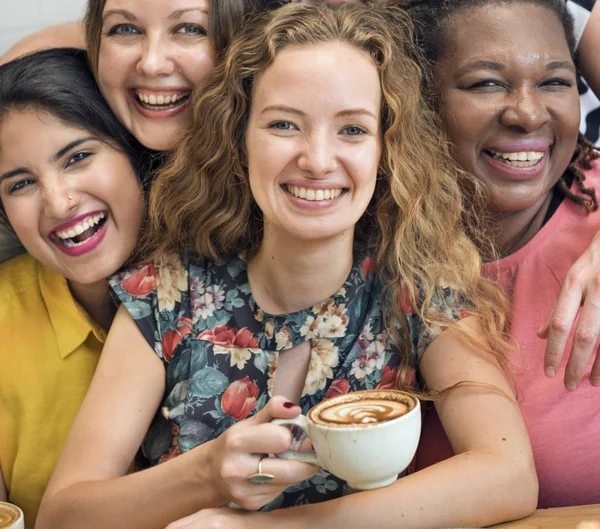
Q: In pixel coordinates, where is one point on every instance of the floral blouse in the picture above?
(220, 350)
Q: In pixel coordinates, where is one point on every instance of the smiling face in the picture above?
(313, 140)
(74, 202)
(509, 100)
(152, 54)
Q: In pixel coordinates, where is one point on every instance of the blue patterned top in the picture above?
(220, 350)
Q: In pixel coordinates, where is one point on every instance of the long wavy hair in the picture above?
(414, 225)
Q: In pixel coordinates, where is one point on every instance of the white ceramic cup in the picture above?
(11, 517)
(367, 455)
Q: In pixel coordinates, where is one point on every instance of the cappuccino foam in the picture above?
(362, 410)
(9, 515)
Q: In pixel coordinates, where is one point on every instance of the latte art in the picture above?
(362, 412)
(9, 515)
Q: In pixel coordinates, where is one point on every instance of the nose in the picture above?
(525, 110)
(60, 201)
(155, 59)
(318, 156)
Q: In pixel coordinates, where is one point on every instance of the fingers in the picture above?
(559, 325)
(584, 341)
(259, 439)
(277, 408)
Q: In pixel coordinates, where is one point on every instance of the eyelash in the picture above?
(275, 125)
(74, 159)
(118, 30)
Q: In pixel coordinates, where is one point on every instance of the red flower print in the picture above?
(141, 283)
(368, 265)
(338, 387)
(388, 378)
(171, 338)
(174, 451)
(225, 337)
(239, 398)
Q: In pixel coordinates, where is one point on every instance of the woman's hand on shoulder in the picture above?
(237, 452)
(66, 35)
(580, 295)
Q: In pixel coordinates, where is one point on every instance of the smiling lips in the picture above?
(161, 101)
(80, 235)
(522, 159)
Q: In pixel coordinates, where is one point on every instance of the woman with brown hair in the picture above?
(312, 150)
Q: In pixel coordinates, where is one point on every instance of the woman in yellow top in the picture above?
(71, 188)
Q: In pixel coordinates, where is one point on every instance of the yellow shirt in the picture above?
(49, 348)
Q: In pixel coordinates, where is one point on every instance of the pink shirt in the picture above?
(564, 427)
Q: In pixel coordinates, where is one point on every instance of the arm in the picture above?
(579, 295)
(589, 60)
(490, 480)
(89, 487)
(68, 35)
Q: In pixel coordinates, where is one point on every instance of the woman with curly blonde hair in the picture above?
(259, 298)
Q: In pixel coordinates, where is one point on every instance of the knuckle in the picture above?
(229, 471)
(573, 279)
(559, 324)
(234, 441)
(595, 283)
(584, 337)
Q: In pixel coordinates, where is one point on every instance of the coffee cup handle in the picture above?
(305, 456)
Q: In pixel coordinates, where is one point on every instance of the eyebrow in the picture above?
(346, 112)
(480, 65)
(71, 146)
(498, 67)
(124, 13)
(180, 12)
(560, 65)
(55, 158)
(175, 15)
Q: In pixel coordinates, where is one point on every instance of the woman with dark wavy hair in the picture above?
(305, 241)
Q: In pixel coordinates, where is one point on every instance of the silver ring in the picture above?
(259, 476)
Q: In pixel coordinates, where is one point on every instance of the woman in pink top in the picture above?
(505, 84)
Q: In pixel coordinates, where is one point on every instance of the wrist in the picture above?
(206, 478)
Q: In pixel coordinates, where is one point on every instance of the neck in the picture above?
(517, 228)
(291, 275)
(94, 298)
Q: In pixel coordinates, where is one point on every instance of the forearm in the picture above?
(459, 492)
(148, 499)
(67, 35)
(589, 59)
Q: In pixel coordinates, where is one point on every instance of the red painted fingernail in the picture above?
(289, 405)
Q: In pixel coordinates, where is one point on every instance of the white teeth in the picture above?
(161, 99)
(519, 156)
(79, 228)
(312, 194)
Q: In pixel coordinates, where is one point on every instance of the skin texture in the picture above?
(588, 50)
(153, 47)
(97, 177)
(484, 425)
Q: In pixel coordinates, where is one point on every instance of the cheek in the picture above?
(23, 218)
(195, 64)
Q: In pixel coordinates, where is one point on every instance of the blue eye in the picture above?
(353, 130)
(282, 125)
(123, 29)
(191, 29)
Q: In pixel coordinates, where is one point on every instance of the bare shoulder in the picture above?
(66, 35)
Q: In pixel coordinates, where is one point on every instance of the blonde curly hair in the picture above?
(415, 223)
